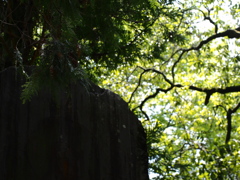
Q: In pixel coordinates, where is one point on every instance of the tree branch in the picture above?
(209, 92)
(139, 83)
(229, 122)
(207, 17)
(231, 33)
(157, 90)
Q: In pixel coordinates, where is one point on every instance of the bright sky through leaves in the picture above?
(178, 91)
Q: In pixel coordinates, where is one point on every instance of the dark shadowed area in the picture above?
(80, 135)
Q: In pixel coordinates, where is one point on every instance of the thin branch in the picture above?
(157, 90)
(212, 22)
(207, 17)
(231, 33)
(139, 83)
(176, 62)
(229, 122)
(145, 114)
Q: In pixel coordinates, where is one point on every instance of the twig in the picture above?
(229, 122)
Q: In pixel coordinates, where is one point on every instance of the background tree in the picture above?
(61, 38)
(73, 133)
(175, 62)
(186, 90)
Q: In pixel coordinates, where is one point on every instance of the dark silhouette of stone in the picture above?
(81, 135)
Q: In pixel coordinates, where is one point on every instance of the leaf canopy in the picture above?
(185, 88)
(176, 63)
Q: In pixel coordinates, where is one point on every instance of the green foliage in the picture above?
(174, 62)
(56, 70)
(97, 35)
(185, 90)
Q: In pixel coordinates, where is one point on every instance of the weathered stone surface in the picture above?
(84, 135)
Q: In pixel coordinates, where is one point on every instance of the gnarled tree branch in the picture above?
(211, 91)
(231, 33)
(208, 91)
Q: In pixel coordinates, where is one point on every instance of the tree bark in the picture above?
(80, 135)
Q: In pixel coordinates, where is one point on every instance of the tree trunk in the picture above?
(80, 135)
